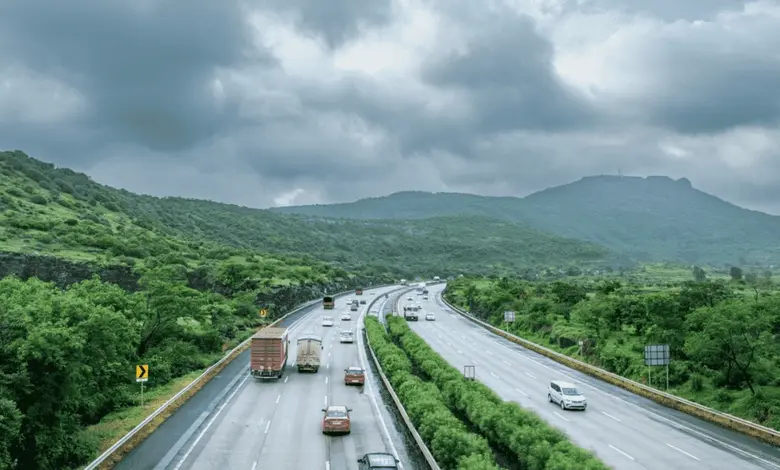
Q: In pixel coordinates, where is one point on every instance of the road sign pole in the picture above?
(142, 394)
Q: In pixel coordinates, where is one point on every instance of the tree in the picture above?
(732, 338)
(735, 273)
(698, 274)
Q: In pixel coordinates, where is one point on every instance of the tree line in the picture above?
(724, 340)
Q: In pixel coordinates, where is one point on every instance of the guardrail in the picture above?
(108, 458)
(725, 420)
(404, 415)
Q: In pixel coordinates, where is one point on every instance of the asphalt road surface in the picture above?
(626, 431)
(277, 424)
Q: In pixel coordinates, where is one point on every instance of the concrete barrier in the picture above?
(725, 420)
(129, 441)
(401, 410)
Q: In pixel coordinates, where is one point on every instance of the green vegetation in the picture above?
(59, 211)
(521, 435)
(650, 219)
(724, 335)
(451, 443)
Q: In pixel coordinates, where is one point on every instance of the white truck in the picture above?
(309, 351)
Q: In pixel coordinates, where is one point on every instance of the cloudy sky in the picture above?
(304, 101)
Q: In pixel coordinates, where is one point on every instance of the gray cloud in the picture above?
(199, 99)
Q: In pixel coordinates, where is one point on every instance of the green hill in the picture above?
(650, 219)
(41, 205)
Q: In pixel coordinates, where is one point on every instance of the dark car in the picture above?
(377, 460)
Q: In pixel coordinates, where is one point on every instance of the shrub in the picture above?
(451, 443)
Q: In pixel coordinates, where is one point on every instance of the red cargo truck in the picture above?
(268, 353)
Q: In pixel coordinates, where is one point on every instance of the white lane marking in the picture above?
(610, 416)
(530, 375)
(202, 433)
(682, 451)
(462, 336)
(507, 363)
(327, 366)
(254, 465)
(278, 397)
(460, 352)
(546, 367)
(326, 401)
(286, 379)
(556, 414)
(489, 353)
(267, 426)
(521, 392)
(327, 465)
(620, 451)
(326, 380)
(475, 362)
(329, 354)
(494, 375)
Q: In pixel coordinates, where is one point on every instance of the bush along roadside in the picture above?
(518, 432)
(453, 446)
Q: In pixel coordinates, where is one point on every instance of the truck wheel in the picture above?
(316, 369)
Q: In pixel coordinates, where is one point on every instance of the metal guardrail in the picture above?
(203, 378)
(404, 415)
(726, 420)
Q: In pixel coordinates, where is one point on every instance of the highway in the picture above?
(277, 424)
(626, 431)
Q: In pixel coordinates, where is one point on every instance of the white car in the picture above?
(327, 321)
(346, 336)
(566, 396)
(430, 317)
(346, 317)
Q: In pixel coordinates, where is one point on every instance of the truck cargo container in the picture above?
(308, 356)
(268, 353)
(328, 302)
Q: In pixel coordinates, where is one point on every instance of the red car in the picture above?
(354, 375)
(336, 420)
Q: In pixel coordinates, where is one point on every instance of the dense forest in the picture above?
(724, 335)
(649, 219)
(54, 210)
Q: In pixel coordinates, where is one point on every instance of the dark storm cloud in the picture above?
(145, 68)
(508, 72)
(335, 21)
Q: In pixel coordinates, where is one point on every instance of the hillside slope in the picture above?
(439, 245)
(651, 219)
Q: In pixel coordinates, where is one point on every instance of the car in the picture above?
(410, 298)
(327, 321)
(430, 316)
(425, 297)
(349, 301)
(354, 375)
(373, 460)
(362, 302)
(346, 336)
(336, 419)
(373, 293)
(346, 317)
(566, 395)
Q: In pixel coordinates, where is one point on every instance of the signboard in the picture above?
(509, 316)
(142, 373)
(263, 313)
(657, 355)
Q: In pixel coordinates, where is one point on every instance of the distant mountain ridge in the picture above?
(654, 218)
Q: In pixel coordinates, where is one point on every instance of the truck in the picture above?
(268, 351)
(436, 278)
(309, 349)
(328, 303)
(410, 314)
(359, 291)
(404, 282)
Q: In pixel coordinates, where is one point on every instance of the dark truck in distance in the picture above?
(328, 303)
(268, 353)
(359, 291)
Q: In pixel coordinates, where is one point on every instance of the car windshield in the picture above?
(570, 391)
(346, 333)
(382, 461)
(355, 371)
(336, 414)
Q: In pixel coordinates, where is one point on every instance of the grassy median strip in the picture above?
(453, 446)
(521, 433)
